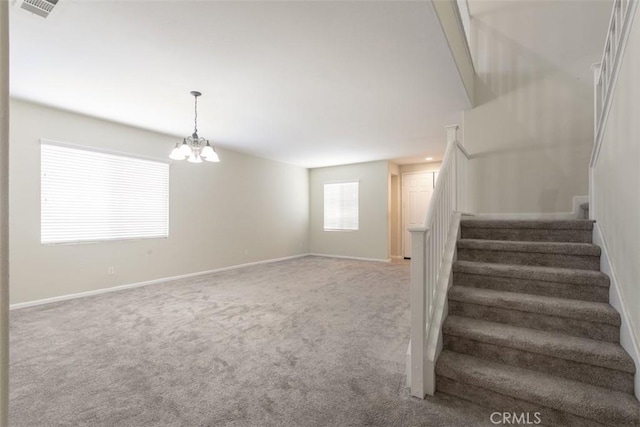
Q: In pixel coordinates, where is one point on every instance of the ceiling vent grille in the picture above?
(39, 7)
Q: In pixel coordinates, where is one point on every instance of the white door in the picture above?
(417, 189)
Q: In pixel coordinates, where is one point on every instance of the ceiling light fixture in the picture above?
(194, 148)
(428, 158)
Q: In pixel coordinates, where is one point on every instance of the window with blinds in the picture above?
(341, 206)
(89, 195)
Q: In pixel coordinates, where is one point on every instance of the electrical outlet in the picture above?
(111, 271)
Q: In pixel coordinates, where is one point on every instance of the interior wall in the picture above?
(241, 210)
(4, 213)
(371, 240)
(395, 224)
(420, 167)
(393, 206)
(617, 180)
(532, 130)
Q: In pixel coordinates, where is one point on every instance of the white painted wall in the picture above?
(394, 212)
(420, 167)
(617, 184)
(241, 210)
(4, 213)
(371, 240)
(531, 132)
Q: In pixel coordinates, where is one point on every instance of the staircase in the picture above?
(530, 328)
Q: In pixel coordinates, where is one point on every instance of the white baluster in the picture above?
(597, 96)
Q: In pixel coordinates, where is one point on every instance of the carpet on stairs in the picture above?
(530, 329)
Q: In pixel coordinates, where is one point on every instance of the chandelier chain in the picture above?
(195, 120)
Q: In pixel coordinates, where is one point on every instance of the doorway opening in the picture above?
(417, 189)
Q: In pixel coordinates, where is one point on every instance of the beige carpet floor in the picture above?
(306, 342)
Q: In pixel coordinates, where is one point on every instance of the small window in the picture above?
(89, 195)
(341, 206)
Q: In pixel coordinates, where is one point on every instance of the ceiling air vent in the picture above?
(39, 7)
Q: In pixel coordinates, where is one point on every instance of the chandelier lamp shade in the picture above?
(194, 148)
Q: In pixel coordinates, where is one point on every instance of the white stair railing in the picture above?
(605, 75)
(432, 248)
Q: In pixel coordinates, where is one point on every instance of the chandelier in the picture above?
(194, 148)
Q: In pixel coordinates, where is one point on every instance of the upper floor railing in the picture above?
(605, 73)
(605, 76)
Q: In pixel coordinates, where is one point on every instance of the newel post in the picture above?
(418, 311)
(452, 133)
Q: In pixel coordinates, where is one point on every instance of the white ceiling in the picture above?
(308, 83)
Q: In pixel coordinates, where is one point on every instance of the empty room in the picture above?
(319, 213)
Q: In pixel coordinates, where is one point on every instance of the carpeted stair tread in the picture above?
(578, 231)
(551, 306)
(561, 248)
(584, 400)
(546, 274)
(568, 224)
(577, 349)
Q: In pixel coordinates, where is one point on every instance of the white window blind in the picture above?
(89, 195)
(341, 206)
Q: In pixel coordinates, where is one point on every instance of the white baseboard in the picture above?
(351, 257)
(397, 257)
(628, 335)
(145, 283)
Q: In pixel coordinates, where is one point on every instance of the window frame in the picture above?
(108, 152)
(324, 207)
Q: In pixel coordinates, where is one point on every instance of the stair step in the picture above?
(585, 285)
(551, 306)
(582, 256)
(527, 413)
(513, 389)
(594, 320)
(580, 231)
(595, 362)
(553, 224)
